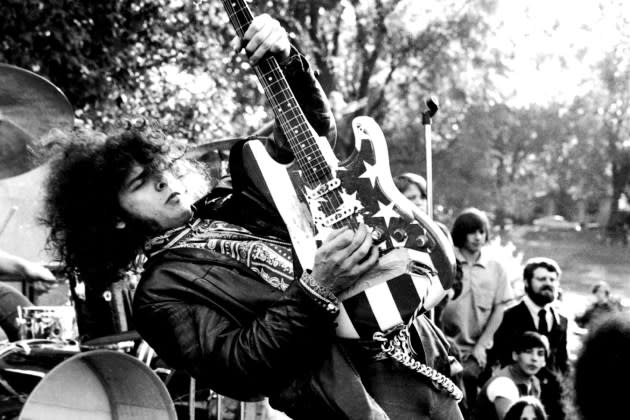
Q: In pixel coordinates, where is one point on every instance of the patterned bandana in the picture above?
(269, 258)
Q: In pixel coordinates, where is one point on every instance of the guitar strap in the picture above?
(398, 345)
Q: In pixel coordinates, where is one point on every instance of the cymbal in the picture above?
(30, 106)
(16, 156)
(201, 151)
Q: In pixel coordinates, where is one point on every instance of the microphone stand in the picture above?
(432, 107)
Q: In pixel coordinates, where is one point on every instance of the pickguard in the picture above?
(414, 251)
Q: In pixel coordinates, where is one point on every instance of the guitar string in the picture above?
(329, 207)
(240, 29)
(232, 13)
(333, 201)
(285, 123)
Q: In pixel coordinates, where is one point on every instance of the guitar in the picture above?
(317, 193)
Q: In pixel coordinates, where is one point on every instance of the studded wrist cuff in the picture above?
(321, 294)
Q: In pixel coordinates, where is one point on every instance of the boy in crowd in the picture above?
(515, 380)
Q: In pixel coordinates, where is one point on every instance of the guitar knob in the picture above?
(378, 235)
(421, 241)
(399, 235)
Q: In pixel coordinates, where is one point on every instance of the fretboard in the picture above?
(293, 122)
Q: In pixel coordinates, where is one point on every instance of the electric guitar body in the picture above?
(316, 193)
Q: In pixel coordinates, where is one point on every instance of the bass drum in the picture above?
(100, 384)
(23, 364)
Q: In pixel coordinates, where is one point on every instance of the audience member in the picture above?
(536, 313)
(414, 187)
(603, 306)
(473, 317)
(602, 368)
(526, 408)
(17, 267)
(517, 379)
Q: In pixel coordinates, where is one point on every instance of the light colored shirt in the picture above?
(550, 313)
(485, 286)
(502, 387)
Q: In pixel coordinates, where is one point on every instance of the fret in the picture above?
(240, 23)
(291, 104)
(285, 107)
(294, 119)
(276, 85)
(314, 160)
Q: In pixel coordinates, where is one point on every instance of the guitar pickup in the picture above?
(343, 212)
(322, 189)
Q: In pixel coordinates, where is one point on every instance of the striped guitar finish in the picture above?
(317, 193)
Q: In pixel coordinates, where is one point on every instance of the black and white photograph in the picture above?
(307, 210)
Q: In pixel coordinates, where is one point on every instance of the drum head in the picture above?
(100, 385)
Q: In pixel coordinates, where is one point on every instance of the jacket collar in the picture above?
(534, 309)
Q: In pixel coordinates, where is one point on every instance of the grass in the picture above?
(583, 257)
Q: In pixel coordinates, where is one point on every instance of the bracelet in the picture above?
(321, 294)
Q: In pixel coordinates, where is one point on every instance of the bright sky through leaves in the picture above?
(554, 43)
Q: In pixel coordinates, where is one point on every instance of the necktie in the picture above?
(542, 322)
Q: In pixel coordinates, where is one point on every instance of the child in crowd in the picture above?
(515, 380)
(526, 408)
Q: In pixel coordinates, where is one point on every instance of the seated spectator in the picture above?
(526, 408)
(604, 305)
(515, 380)
(601, 367)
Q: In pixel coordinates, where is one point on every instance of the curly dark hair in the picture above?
(81, 205)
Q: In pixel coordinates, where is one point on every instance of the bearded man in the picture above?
(536, 312)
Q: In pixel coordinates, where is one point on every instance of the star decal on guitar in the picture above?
(387, 212)
(370, 172)
(351, 201)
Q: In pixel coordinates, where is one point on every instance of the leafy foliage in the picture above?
(171, 60)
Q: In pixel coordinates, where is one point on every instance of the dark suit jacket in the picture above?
(516, 321)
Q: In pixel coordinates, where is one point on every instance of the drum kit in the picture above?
(49, 373)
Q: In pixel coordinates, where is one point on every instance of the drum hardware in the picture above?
(126, 342)
(47, 322)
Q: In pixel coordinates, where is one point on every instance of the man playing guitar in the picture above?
(222, 295)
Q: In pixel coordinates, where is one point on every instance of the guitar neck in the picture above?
(286, 109)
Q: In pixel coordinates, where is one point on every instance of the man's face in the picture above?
(414, 195)
(601, 295)
(159, 200)
(543, 286)
(530, 361)
(475, 240)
